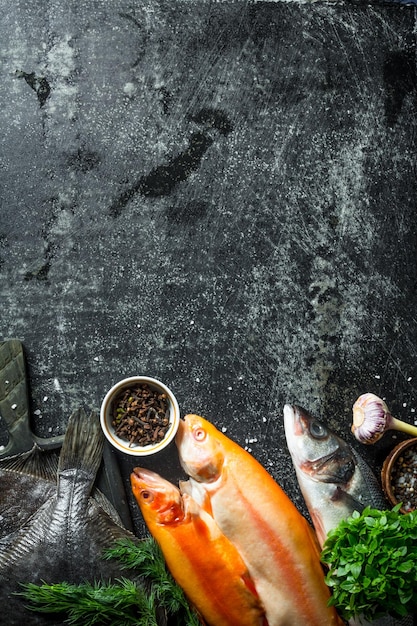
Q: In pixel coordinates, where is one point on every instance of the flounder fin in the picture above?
(23, 542)
(37, 463)
(105, 530)
(83, 444)
(107, 506)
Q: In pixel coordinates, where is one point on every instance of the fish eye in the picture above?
(147, 495)
(199, 434)
(317, 430)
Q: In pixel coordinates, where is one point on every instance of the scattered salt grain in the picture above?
(6, 382)
(377, 376)
(38, 412)
(224, 429)
(230, 388)
(14, 406)
(197, 380)
(45, 398)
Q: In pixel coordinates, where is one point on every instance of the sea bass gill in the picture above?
(201, 559)
(333, 478)
(274, 539)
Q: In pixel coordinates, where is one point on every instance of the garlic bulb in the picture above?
(371, 418)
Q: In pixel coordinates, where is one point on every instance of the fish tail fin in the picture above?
(83, 444)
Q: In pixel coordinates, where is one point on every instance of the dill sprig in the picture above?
(123, 602)
(147, 560)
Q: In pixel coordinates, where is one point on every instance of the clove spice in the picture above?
(140, 415)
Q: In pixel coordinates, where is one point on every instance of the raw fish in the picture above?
(52, 528)
(201, 559)
(274, 539)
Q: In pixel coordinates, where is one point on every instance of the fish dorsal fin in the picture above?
(83, 444)
(37, 463)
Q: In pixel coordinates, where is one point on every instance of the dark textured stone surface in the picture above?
(220, 195)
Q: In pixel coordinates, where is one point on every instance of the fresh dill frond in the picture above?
(147, 560)
(118, 604)
(124, 602)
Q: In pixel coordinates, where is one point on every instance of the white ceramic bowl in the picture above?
(106, 416)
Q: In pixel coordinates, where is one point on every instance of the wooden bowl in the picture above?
(402, 461)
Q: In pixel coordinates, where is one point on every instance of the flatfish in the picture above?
(53, 525)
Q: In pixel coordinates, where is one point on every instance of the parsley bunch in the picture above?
(372, 560)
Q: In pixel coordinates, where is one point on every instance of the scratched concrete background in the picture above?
(220, 195)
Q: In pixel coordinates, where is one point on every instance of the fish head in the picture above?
(159, 500)
(333, 478)
(316, 451)
(200, 449)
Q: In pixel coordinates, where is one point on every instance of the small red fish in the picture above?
(201, 559)
(274, 539)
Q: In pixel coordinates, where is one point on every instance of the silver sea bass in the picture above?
(333, 478)
(52, 528)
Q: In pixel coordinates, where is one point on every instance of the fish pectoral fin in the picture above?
(249, 583)
(198, 493)
(203, 522)
(344, 498)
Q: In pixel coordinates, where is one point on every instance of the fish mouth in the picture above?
(147, 476)
(147, 480)
(296, 419)
(337, 466)
(160, 494)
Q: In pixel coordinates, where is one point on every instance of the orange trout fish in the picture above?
(274, 539)
(201, 559)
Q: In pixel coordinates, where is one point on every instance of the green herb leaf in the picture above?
(372, 558)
